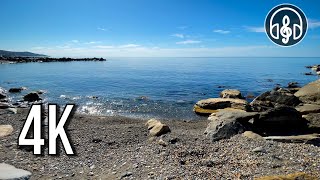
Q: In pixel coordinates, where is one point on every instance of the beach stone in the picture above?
(10, 172)
(162, 143)
(2, 93)
(313, 120)
(308, 138)
(281, 119)
(271, 99)
(259, 149)
(4, 105)
(5, 130)
(16, 90)
(252, 135)
(156, 128)
(31, 97)
(308, 108)
(227, 123)
(294, 176)
(231, 93)
(213, 104)
(310, 93)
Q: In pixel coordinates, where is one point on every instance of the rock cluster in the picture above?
(281, 114)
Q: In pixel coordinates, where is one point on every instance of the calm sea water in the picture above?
(151, 87)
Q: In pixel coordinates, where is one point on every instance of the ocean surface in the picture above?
(151, 87)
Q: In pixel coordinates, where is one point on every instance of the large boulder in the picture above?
(310, 93)
(280, 120)
(231, 93)
(10, 172)
(31, 97)
(227, 123)
(308, 108)
(16, 90)
(275, 98)
(156, 128)
(208, 106)
(313, 120)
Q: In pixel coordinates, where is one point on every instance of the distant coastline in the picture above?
(13, 60)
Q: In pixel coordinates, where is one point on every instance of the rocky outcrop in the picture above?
(231, 93)
(275, 98)
(16, 90)
(208, 106)
(10, 172)
(31, 97)
(294, 176)
(308, 108)
(313, 120)
(156, 128)
(227, 123)
(310, 93)
(5, 130)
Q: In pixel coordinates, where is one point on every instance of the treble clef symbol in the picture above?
(285, 31)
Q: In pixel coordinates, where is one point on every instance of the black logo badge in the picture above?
(286, 25)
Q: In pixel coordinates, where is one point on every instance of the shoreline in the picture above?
(13, 60)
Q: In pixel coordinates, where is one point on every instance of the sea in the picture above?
(165, 88)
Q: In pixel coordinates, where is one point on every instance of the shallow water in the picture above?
(151, 87)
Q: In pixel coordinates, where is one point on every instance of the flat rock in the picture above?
(310, 93)
(252, 135)
(231, 93)
(4, 105)
(308, 108)
(10, 172)
(213, 104)
(313, 120)
(5, 130)
(309, 138)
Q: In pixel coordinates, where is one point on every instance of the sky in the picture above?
(150, 28)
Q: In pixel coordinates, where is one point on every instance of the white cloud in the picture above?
(178, 35)
(221, 31)
(188, 42)
(129, 46)
(313, 23)
(255, 29)
(74, 41)
(93, 42)
(102, 29)
(104, 47)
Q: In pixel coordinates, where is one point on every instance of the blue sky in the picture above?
(138, 28)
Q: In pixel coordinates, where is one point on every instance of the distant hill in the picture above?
(19, 54)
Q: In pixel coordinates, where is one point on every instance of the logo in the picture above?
(286, 25)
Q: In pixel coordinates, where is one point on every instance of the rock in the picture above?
(315, 68)
(294, 176)
(12, 111)
(259, 149)
(310, 93)
(293, 85)
(40, 91)
(309, 138)
(208, 106)
(127, 174)
(280, 119)
(31, 97)
(227, 123)
(10, 172)
(308, 108)
(252, 135)
(308, 74)
(231, 93)
(5, 130)
(156, 128)
(4, 105)
(271, 99)
(313, 120)
(162, 143)
(16, 90)
(2, 93)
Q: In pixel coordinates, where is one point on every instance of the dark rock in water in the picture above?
(31, 97)
(228, 122)
(310, 93)
(4, 105)
(250, 96)
(280, 120)
(308, 74)
(271, 99)
(16, 90)
(293, 85)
